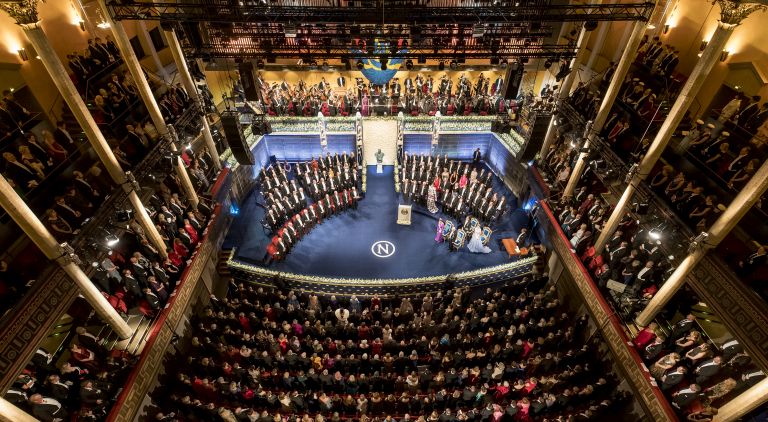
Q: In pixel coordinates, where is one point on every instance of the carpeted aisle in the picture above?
(341, 246)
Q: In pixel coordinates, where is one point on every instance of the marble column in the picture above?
(148, 97)
(741, 204)
(677, 113)
(189, 85)
(61, 79)
(11, 413)
(565, 88)
(605, 106)
(754, 397)
(39, 234)
(153, 51)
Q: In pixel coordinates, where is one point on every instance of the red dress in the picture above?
(191, 232)
(180, 250)
(643, 338)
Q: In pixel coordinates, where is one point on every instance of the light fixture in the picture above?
(409, 64)
(666, 28)
(111, 240)
(453, 65)
(703, 45)
(23, 54)
(383, 60)
(724, 55)
(360, 65)
(82, 25)
(260, 64)
(547, 63)
(441, 65)
(590, 26)
(123, 215)
(651, 26)
(654, 234)
(503, 63)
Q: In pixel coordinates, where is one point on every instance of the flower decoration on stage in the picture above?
(358, 129)
(321, 129)
(373, 69)
(436, 129)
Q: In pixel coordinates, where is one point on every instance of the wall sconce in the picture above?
(23, 54)
(724, 55)
(703, 45)
(666, 28)
(82, 25)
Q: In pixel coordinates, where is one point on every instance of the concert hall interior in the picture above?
(383, 210)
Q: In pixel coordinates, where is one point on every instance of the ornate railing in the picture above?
(381, 287)
(296, 124)
(144, 374)
(626, 357)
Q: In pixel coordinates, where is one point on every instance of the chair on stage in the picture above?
(458, 241)
(470, 228)
(486, 236)
(448, 228)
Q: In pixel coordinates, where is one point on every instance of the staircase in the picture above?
(222, 268)
(142, 328)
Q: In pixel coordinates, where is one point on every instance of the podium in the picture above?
(379, 168)
(404, 215)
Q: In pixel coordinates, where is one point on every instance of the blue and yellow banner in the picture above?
(372, 66)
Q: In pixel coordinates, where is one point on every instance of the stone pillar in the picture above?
(60, 77)
(599, 42)
(11, 413)
(741, 204)
(744, 403)
(153, 51)
(608, 99)
(731, 16)
(625, 38)
(34, 228)
(148, 97)
(565, 88)
(189, 85)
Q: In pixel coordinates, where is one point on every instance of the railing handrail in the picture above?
(612, 317)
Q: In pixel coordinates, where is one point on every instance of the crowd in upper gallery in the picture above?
(421, 95)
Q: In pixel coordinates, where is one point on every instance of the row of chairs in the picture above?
(457, 236)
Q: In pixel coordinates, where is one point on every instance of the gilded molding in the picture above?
(24, 12)
(733, 12)
(637, 375)
(744, 313)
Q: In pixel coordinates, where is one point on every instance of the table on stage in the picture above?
(511, 246)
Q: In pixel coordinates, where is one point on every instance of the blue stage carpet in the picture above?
(341, 246)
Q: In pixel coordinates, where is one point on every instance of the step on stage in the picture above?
(367, 242)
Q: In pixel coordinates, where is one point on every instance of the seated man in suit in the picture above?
(684, 397)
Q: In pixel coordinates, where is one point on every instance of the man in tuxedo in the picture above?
(682, 327)
(752, 377)
(47, 409)
(522, 238)
(18, 172)
(730, 349)
(476, 157)
(671, 379)
(708, 369)
(64, 138)
(57, 389)
(682, 398)
(653, 350)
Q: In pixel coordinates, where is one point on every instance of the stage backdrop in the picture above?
(380, 134)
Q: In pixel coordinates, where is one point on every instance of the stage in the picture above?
(343, 246)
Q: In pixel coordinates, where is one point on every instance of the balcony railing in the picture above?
(24, 327)
(626, 357)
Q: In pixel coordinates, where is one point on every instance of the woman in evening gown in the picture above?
(475, 245)
(439, 234)
(431, 198)
(664, 364)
